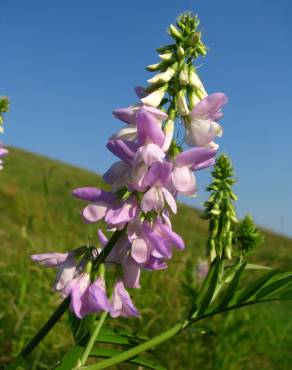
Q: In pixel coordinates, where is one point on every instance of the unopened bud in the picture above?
(155, 97)
(168, 131)
(165, 56)
(175, 33)
(155, 67)
(163, 77)
(180, 52)
(194, 38)
(193, 98)
(184, 75)
(182, 103)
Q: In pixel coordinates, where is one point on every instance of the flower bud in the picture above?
(183, 75)
(193, 99)
(168, 131)
(155, 97)
(175, 33)
(163, 77)
(182, 103)
(155, 67)
(194, 38)
(165, 56)
(180, 52)
(194, 79)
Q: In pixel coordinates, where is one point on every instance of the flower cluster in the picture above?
(151, 171)
(4, 107)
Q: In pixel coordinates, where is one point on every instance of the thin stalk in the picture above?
(136, 350)
(92, 339)
(55, 317)
(162, 338)
(61, 309)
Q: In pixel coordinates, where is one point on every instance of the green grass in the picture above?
(38, 214)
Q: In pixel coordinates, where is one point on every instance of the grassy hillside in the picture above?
(38, 214)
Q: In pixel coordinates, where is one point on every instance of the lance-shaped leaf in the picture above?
(232, 287)
(206, 294)
(138, 360)
(71, 358)
(119, 336)
(248, 292)
(278, 283)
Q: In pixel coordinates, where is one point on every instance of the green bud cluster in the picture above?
(4, 107)
(247, 237)
(220, 210)
(176, 72)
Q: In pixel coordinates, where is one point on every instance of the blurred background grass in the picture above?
(38, 214)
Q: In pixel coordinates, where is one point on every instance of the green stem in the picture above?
(136, 350)
(92, 339)
(61, 309)
(162, 338)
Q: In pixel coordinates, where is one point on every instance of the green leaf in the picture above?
(138, 360)
(246, 293)
(70, 359)
(205, 297)
(274, 285)
(251, 266)
(119, 336)
(232, 287)
(81, 328)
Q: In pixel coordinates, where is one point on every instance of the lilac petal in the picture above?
(97, 298)
(138, 173)
(123, 149)
(78, 287)
(169, 199)
(65, 275)
(158, 242)
(94, 212)
(139, 250)
(131, 273)
(148, 128)
(202, 165)
(128, 308)
(159, 173)
(3, 152)
(184, 180)
(194, 157)
(152, 200)
(209, 106)
(157, 113)
(170, 235)
(50, 259)
(127, 115)
(149, 154)
(102, 238)
(155, 263)
(140, 91)
(122, 213)
(201, 132)
(93, 194)
(116, 171)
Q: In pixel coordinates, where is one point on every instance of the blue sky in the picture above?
(67, 64)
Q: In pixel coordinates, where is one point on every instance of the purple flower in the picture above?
(157, 178)
(51, 259)
(129, 114)
(201, 125)
(3, 153)
(121, 303)
(183, 178)
(122, 213)
(87, 298)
